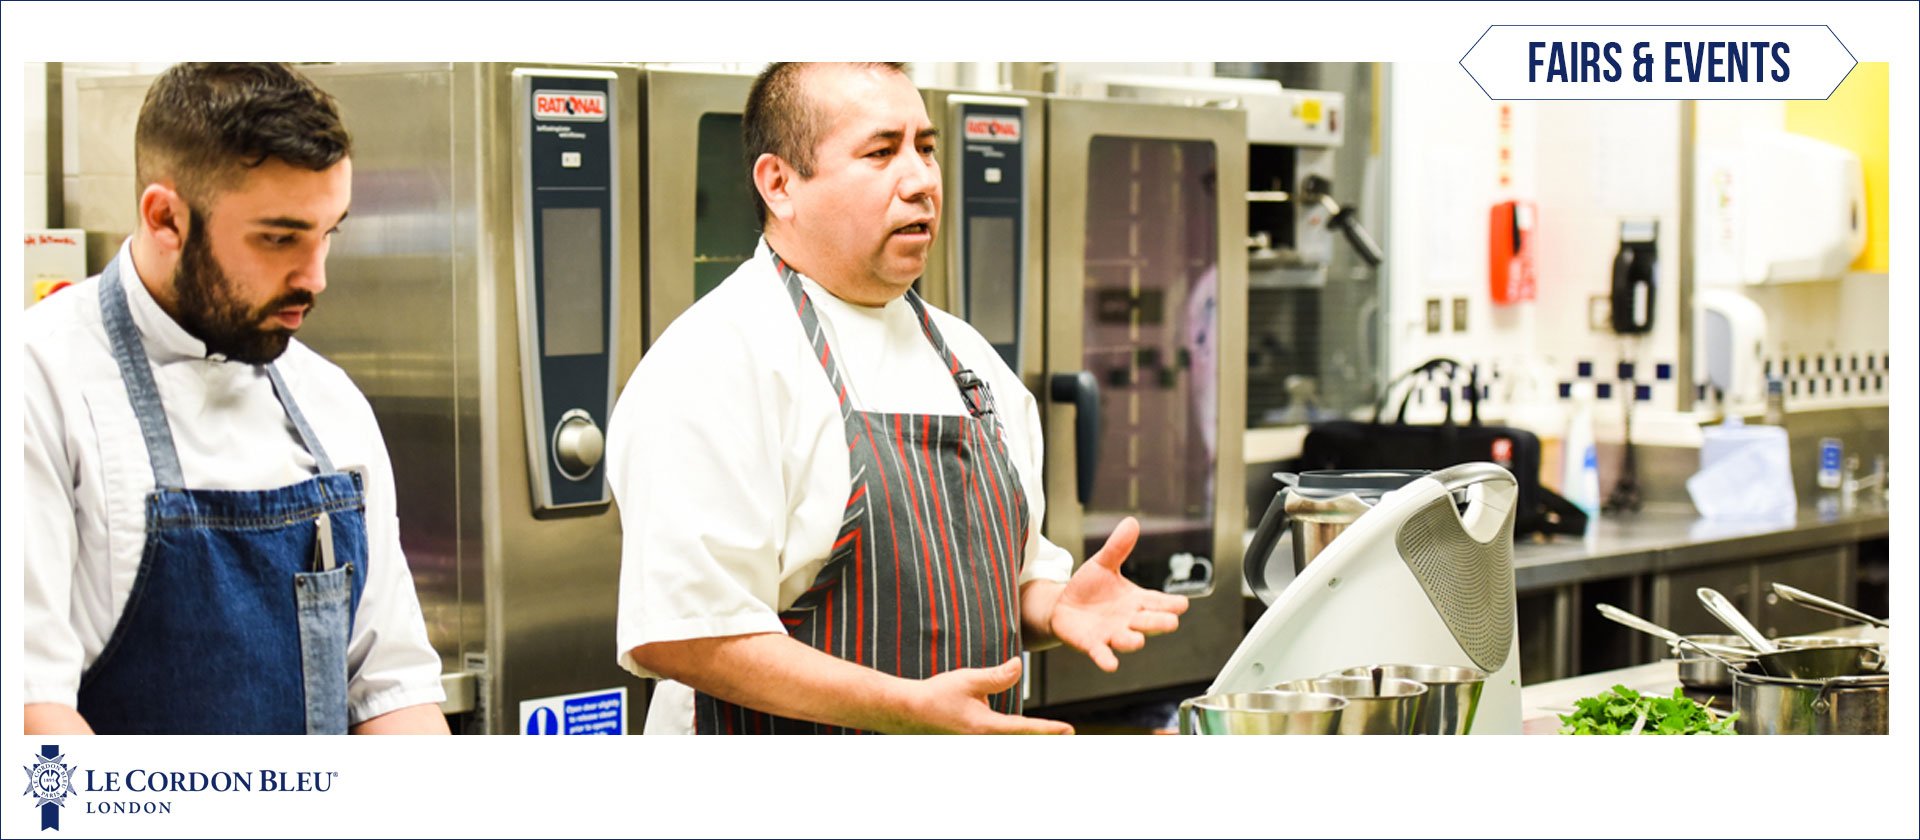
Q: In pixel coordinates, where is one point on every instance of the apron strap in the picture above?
(810, 323)
(137, 374)
(973, 390)
(307, 437)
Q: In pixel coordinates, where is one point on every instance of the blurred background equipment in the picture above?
(55, 260)
(1313, 301)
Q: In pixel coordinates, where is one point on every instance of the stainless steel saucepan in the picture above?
(1815, 663)
(1784, 706)
(1701, 659)
(1699, 667)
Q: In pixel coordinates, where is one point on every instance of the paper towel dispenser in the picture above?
(1777, 207)
(1729, 347)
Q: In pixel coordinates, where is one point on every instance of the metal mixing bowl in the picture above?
(1262, 713)
(1388, 708)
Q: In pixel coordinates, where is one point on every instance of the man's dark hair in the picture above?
(782, 120)
(203, 125)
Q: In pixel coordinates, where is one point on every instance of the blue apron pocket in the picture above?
(325, 611)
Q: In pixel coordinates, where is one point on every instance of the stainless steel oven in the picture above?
(700, 222)
(1145, 347)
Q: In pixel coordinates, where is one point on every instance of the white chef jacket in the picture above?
(728, 456)
(87, 477)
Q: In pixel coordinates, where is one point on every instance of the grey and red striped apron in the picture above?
(923, 576)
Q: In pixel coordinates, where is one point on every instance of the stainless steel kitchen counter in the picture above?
(1672, 537)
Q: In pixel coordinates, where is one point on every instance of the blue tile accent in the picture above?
(1663, 371)
(1584, 370)
(1603, 390)
(1642, 393)
(1566, 390)
(1624, 371)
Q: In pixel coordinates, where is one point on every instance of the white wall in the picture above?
(1588, 166)
(1600, 164)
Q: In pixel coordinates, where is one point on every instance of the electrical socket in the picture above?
(1600, 313)
(1434, 325)
(1459, 314)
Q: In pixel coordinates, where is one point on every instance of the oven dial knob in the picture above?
(578, 445)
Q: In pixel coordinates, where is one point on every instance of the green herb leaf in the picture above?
(1622, 709)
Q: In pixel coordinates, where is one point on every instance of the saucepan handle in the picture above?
(1636, 622)
(1819, 604)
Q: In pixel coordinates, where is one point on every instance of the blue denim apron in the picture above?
(239, 617)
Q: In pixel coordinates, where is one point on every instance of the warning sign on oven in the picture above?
(570, 105)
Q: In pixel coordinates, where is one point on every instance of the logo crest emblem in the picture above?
(49, 782)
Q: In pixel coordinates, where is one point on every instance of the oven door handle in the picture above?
(1083, 391)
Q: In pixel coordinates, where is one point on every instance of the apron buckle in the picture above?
(974, 390)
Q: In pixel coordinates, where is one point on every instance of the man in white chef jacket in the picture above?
(211, 542)
(830, 492)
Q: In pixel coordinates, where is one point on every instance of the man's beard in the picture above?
(211, 310)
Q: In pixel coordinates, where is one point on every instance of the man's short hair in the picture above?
(782, 120)
(203, 125)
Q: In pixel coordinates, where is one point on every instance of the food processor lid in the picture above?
(1365, 483)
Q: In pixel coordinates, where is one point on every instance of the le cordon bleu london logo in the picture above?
(49, 783)
(53, 784)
